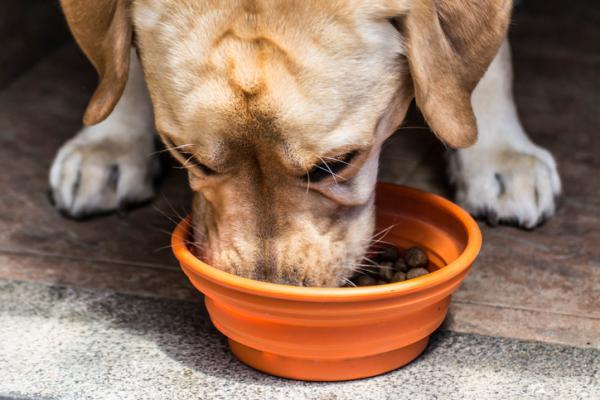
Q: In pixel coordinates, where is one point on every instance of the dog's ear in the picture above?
(449, 46)
(102, 29)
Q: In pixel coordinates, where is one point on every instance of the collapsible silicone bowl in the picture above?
(332, 334)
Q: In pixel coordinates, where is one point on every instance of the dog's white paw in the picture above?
(94, 174)
(506, 186)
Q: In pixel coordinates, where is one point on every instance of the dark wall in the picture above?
(29, 29)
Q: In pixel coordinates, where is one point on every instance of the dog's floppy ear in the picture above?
(103, 31)
(449, 46)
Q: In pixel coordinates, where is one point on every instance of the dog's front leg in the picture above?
(504, 177)
(109, 165)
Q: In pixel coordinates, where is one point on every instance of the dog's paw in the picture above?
(98, 175)
(506, 186)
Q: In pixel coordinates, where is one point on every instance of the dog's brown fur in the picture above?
(261, 91)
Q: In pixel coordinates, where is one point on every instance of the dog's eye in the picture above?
(331, 166)
(190, 161)
(187, 159)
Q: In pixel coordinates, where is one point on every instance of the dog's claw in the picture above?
(492, 218)
(50, 197)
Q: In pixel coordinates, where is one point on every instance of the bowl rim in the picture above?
(189, 261)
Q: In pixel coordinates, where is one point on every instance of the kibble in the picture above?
(386, 270)
(398, 277)
(415, 257)
(387, 252)
(365, 280)
(401, 265)
(391, 267)
(416, 272)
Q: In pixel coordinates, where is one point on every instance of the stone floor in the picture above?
(76, 344)
(526, 320)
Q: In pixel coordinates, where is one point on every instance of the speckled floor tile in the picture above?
(80, 344)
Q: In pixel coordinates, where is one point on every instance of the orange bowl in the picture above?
(333, 334)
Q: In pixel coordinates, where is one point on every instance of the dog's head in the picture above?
(278, 109)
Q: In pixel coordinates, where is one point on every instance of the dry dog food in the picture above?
(390, 266)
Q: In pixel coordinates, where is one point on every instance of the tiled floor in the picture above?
(97, 345)
(542, 285)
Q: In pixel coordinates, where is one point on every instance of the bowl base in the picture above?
(327, 370)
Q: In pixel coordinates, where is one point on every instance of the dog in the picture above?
(278, 110)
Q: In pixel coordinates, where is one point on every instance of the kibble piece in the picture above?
(387, 252)
(415, 257)
(400, 265)
(398, 277)
(366, 280)
(416, 272)
(386, 270)
(389, 267)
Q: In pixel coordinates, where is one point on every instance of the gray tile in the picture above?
(522, 323)
(78, 344)
(145, 280)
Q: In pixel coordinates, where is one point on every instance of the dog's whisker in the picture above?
(336, 160)
(168, 246)
(382, 233)
(386, 230)
(376, 244)
(199, 246)
(185, 163)
(189, 244)
(172, 207)
(366, 267)
(381, 243)
(162, 231)
(348, 282)
(165, 215)
(307, 181)
(362, 271)
(328, 169)
(385, 242)
(168, 149)
(377, 235)
(187, 166)
(367, 259)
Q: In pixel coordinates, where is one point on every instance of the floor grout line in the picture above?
(458, 301)
(580, 205)
(144, 295)
(520, 239)
(166, 268)
(98, 260)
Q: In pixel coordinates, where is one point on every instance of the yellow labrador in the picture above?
(278, 110)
